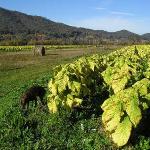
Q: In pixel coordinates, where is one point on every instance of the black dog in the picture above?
(31, 95)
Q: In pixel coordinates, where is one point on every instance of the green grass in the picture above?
(37, 128)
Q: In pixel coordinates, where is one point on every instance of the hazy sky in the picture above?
(110, 15)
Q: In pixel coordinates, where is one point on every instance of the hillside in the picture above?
(17, 28)
(146, 36)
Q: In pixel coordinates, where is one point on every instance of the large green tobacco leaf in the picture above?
(118, 85)
(120, 110)
(122, 133)
(142, 86)
(74, 86)
(53, 87)
(132, 108)
(112, 114)
(143, 89)
(53, 102)
(123, 110)
(73, 102)
(117, 76)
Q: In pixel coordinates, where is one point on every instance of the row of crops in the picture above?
(29, 48)
(117, 86)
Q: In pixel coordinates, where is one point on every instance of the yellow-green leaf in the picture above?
(132, 106)
(123, 132)
(52, 106)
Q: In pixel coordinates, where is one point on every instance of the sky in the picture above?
(109, 15)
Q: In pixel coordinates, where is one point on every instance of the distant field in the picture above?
(53, 47)
(48, 47)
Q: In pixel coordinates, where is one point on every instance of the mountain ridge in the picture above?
(17, 28)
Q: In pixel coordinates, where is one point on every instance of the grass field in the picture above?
(37, 128)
